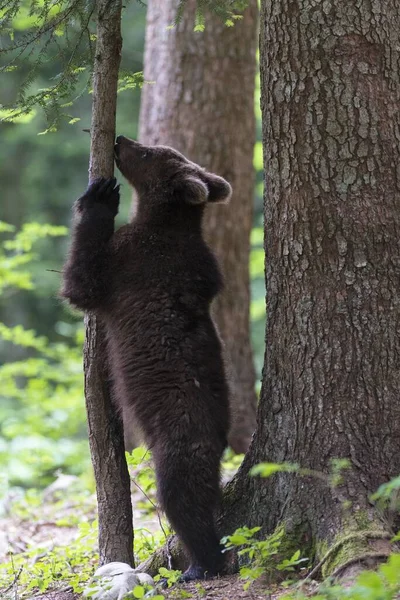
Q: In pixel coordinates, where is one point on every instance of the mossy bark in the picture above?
(351, 549)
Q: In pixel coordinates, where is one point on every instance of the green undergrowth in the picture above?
(69, 506)
(66, 514)
(382, 584)
(266, 559)
(44, 565)
(262, 557)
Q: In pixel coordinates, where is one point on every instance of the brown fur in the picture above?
(152, 282)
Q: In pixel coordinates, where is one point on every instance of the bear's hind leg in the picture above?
(188, 489)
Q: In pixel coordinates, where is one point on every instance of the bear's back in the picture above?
(151, 263)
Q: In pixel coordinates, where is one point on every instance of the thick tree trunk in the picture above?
(201, 103)
(330, 100)
(105, 428)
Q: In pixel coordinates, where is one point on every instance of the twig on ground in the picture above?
(16, 577)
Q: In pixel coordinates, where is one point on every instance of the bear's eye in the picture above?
(144, 154)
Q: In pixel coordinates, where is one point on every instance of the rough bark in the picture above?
(105, 428)
(330, 92)
(201, 103)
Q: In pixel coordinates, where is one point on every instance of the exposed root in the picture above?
(170, 556)
(368, 560)
(346, 542)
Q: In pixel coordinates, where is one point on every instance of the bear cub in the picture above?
(152, 283)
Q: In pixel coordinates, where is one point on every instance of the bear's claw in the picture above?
(104, 192)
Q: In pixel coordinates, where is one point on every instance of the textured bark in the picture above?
(105, 428)
(330, 102)
(201, 103)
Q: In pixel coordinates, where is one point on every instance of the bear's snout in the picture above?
(122, 140)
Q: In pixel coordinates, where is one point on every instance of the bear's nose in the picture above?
(121, 139)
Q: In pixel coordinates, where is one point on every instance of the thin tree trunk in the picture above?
(105, 427)
(201, 102)
(331, 128)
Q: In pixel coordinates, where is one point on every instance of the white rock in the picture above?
(145, 579)
(114, 580)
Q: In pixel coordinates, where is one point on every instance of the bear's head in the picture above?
(162, 173)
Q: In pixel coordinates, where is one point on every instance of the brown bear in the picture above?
(152, 283)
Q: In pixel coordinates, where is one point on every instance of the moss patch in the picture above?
(358, 540)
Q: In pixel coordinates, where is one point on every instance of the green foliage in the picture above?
(57, 31)
(383, 584)
(142, 475)
(338, 465)
(267, 469)
(143, 478)
(332, 479)
(387, 495)
(40, 568)
(16, 253)
(130, 81)
(36, 32)
(41, 395)
(230, 463)
(144, 591)
(200, 590)
(170, 576)
(262, 557)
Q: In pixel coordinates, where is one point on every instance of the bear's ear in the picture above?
(219, 190)
(192, 188)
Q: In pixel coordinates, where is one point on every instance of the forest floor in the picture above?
(48, 549)
(19, 534)
(48, 542)
(54, 530)
(224, 588)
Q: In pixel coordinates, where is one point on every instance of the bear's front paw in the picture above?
(101, 194)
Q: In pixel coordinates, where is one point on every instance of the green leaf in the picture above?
(371, 581)
(268, 469)
(11, 115)
(391, 570)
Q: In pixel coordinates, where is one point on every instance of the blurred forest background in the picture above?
(42, 415)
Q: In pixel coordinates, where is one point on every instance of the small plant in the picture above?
(143, 477)
(144, 591)
(263, 556)
(170, 577)
(39, 569)
(387, 498)
(201, 590)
